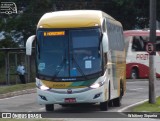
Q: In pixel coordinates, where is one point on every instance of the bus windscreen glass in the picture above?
(69, 53)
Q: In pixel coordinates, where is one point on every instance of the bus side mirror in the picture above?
(105, 43)
(29, 44)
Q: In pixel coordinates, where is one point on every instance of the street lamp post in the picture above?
(152, 76)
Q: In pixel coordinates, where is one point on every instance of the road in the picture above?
(137, 90)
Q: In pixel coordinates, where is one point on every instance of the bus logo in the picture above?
(69, 91)
(8, 7)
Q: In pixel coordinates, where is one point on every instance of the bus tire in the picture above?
(104, 106)
(117, 101)
(134, 73)
(64, 105)
(121, 89)
(49, 107)
(110, 103)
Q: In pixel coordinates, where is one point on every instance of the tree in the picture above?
(131, 13)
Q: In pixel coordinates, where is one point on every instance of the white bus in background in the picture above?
(137, 58)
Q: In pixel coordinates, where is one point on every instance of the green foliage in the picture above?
(147, 107)
(26, 22)
(8, 43)
(131, 13)
(2, 65)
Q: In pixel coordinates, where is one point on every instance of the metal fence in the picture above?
(10, 59)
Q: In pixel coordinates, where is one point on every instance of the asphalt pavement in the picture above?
(137, 92)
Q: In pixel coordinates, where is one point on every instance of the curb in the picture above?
(16, 93)
(128, 108)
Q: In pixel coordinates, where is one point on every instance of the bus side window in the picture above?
(134, 44)
(158, 44)
(138, 44)
(158, 47)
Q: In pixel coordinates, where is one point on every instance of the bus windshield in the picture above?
(69, 53)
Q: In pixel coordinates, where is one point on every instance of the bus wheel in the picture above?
(49, 107)
(134, 73)
(117, 101)
(104, 106)
(64, 105)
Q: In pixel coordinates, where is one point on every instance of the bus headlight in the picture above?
(97, 85)
(40, 85)
(43, 87)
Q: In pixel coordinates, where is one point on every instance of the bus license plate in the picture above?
(70, 100)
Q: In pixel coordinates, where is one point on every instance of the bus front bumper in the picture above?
(62, 97)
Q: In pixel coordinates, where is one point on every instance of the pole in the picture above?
(16, 64)
(152, 76)
(7, 68)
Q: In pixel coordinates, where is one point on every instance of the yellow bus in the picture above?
(80, 58)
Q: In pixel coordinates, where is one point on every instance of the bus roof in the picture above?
(74, 19)
(139, 33)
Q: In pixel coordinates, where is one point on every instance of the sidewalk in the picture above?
(16, 93)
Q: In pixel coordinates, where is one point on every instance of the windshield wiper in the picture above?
(79, 68)
(60, 67)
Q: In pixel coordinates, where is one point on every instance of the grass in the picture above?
(147, 107)
(18, 87)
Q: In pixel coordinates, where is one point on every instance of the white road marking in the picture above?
(132, 105)
(132, 82)
(136, 89)
(125, 108)
(41, 109)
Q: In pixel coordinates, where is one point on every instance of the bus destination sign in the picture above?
(55, 33)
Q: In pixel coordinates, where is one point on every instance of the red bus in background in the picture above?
(137, 58)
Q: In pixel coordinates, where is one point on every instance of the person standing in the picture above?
(21, 73)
